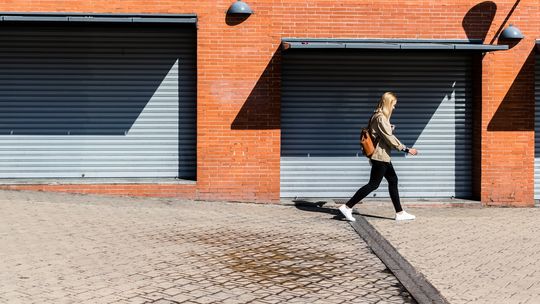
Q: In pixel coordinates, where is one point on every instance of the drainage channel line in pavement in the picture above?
(415, 282)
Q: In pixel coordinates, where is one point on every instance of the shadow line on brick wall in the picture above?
(261, 110)
(503, 24)
(516, 111)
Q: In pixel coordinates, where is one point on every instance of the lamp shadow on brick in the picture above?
(478, 20)
(261, 110)
(516, 111)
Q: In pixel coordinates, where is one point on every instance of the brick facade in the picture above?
(238, 99)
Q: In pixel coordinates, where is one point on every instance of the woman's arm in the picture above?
(385, 131)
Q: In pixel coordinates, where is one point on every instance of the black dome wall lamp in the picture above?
(240, 8)
(511, 32)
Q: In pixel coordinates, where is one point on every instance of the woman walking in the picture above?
(381, 165)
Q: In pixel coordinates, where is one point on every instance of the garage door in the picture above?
(537, 130)
(327, 96)
(97, 101)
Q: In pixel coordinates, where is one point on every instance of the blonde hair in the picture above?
(385, 104)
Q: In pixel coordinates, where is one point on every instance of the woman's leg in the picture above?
(392, 179)
(378, 170)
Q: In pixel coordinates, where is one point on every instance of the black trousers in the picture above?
(378, 170)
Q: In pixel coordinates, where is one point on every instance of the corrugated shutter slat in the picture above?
(328, 96)
(97, 100)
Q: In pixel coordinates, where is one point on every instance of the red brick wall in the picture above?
(238, 85)
(183, 191)
(507, 177)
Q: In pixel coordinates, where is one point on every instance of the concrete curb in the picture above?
(415, 282)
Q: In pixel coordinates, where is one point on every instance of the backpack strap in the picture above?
(369, 122)
(376, 140)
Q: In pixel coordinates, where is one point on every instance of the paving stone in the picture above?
(483, 255)
(98, 249)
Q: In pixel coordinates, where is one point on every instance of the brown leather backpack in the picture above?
(367, 143)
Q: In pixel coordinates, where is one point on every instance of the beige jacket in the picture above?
(381, 129)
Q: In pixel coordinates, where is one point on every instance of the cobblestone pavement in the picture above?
(62, 248)
(486, 255)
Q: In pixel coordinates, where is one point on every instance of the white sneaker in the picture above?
(347, 212)
(404, 216)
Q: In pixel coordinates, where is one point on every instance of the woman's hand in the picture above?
(413, 151)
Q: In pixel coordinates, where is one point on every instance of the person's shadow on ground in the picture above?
(318, 206)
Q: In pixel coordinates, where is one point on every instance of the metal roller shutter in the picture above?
(327, 96)
(537, 129)
(97, 101)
